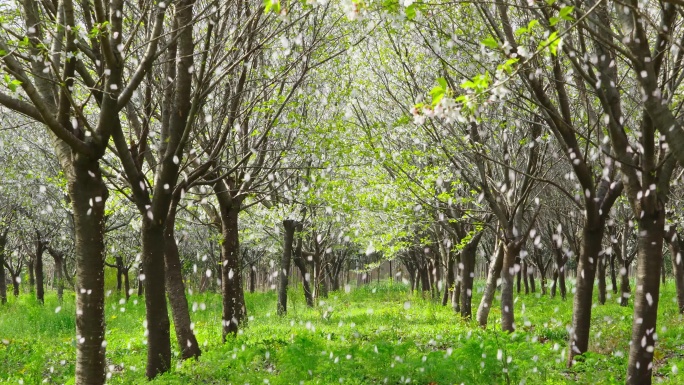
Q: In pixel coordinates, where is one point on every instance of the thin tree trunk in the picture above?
(40, 276)
(284, 267)
(554, 284)
(59, 261)
(32, 274)
(508, 272)
(88, 194)
(3, 279)
(424, 279)
(458, 278)
(625, 289)
(490, 287)
(613, 276)
(649, 265)
(15, 285)
(468, 255)
(127, 284)
(119, 273)
(157, 315)
(676, 244)
(175, 289)
(518, 275)
(449, 278)
(530, 276)
(252, 278)
(234, 310)
(526, 280)
(602, 294)
(141, 281)
(301, 265)
(586, 272)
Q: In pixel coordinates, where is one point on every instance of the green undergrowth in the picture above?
(379, 333)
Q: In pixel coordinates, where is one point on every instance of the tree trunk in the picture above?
(127, 284)
(3, 277)
(119, 273)
(40, 276)
(518, 275)
(490, 287)
(449, 278)
(530, 277)
(560, 270)
(468, 255)
(32, 274)
(157, 315)
(586, 272)
(508, 271)
(676, 244)
(526, 277)
(88, 194)
(649, 265)
(613, 276)
(625, 290)
(175, 289)
(252, 278)
(284, 267)
(59, 275)
(424, 279)
(458, 278)
(141, 283)
(554, 284)
(234, 311)
(15, 285)
(602, 279)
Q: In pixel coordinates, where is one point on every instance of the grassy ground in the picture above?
(375, 334)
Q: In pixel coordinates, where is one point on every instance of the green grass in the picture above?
(378, 333)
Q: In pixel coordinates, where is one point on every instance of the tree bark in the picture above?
(508, 271)
(676, 245)
(586, 272)
(32, 274)
(284, 267)
(40, 276)
(127, 284)
(119, 273)
(3, 277)
(490, 287)
(252, 278)
(175, 289)
(602, 294)
(301, 265)
(234, 311)
(88, 194)
(526, 280)
(649, 265)
(449, 278)
(625, 289)
(468, 255)
(15, 285)
(157, 315)
(530, 276)
(613, 276)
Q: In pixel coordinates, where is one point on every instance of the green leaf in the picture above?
(411, 11)
(554, 20)
(442, 82)
(14, 84)
(565, 13)
(437, 94)
(272, 5)
(551, 43)
(490, 42)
